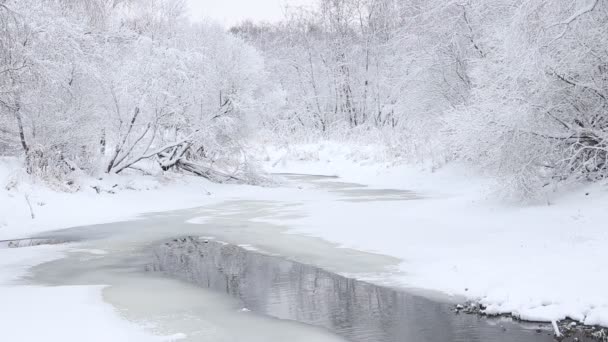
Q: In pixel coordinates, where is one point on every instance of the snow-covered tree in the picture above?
(538, 113)
(99, 86)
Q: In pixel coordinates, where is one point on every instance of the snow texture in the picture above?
(538, 262)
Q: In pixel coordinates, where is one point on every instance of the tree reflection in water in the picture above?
(356, 310)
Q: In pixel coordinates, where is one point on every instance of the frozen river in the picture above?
(229, 272)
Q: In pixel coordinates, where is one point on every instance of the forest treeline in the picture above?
(516, 88)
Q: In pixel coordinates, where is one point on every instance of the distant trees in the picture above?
(516, 87)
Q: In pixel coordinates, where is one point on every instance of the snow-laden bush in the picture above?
(538, 113)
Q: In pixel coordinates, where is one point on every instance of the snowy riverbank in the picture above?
(538, 262)
(107, 199)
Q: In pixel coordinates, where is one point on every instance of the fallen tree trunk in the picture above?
(206, 172)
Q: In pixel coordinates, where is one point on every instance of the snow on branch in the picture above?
(586, 9)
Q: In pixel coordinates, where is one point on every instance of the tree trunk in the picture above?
(24, 144)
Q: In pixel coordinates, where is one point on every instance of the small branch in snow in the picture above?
(556, 329)
(29, 204)
(146, 173)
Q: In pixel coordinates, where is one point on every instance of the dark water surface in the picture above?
(356, 310)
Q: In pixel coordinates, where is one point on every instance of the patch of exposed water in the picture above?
(167, 306)
(271, 274)
(356, 310)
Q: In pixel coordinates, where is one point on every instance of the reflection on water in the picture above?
(353, 309)
(167, 306)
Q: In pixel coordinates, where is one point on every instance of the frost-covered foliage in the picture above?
(355, 65)
(538, 112)
(100, 85)
(518, 88)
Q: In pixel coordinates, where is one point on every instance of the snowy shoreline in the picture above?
(457, 240)
(108, 199)
(537, 262)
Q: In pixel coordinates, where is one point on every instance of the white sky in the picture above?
(230, 12)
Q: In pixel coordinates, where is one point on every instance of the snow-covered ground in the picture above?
(540, 262)
(119, 198)
(57, 313)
